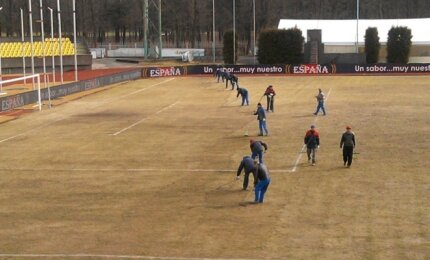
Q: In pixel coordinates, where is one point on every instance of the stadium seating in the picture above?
(51, 47)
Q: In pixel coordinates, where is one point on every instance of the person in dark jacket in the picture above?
(234, 80)
(348, 143)
(261, 182)
(226, 77)
(244, 93)
(270, 94)
(223, 74)
(312, 142)
(257, 149)
(219, 73)
(246, 164)
(261, 117)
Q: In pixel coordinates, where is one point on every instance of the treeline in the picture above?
(189, 22)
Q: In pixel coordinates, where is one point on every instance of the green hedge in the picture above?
(399, 45)
(372, 45)
(227, 50)
(280, 46)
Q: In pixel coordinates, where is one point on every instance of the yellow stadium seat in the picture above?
(48, 48)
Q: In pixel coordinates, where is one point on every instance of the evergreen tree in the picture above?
(399, 45)
(227, 49)
(372, 45)
(280, 46)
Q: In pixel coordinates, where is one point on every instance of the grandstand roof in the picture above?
(345, 31)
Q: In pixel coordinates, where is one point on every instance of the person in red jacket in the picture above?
(270, 94)
(312, 142)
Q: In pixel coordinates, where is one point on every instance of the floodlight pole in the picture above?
(213, 30)
(253, 13)
(160, 37)
(43, 43)
(234, 32)
(52, 43)
(358, 17)
(23, 44)
(31, 39)
(145, 28)
(74, 40)
(60, 41)
(1, 53)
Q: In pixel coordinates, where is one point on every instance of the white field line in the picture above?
(15, 136)
(29, 131)
(144, 119)
(110, 256)
(128, 170)
(99, 104)
(299, 157)
(138, 91)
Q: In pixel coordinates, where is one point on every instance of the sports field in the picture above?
(146, 169)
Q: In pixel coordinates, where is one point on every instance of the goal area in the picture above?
(24, 79)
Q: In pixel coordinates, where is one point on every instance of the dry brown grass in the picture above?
(165, 188)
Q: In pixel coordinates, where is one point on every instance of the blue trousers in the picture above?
(320, 106)
(245, 99)
(262, 126)
(260, 190)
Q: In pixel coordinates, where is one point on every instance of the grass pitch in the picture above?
(146, 169)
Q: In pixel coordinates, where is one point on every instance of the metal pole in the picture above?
(358, 17)
(52, 54)
(31, 40)
(145, 28)
(23, 44)
(254, 49)
(213, 30)
(1, 54)
(60, 41)
(160, 44)
(43, 43)
(74, 40)
(234, 31)
(52, 44)
(39, 98)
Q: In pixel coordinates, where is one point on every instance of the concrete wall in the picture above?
(339, 48)
(14, 65)
(344, 58)
(420, 53)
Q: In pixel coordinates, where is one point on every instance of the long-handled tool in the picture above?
(245, 200)
(260, 99)
(225, 185)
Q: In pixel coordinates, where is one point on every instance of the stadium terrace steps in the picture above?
(49, 48)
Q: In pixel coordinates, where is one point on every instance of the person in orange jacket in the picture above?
(312, 142)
